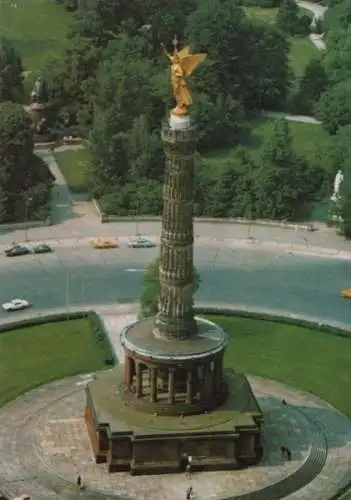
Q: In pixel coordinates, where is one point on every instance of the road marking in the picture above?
(131, 270)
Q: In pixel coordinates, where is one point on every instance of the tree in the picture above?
(11, 80)
(334, 106)
(288, 16)
(219, 28)
(311, 85)
(339, 17)
(108, 146)
(134, 198)
(220, 122)
(146, 159)
(151, 288)
(268, 71)
(246, 61)
(336, 60)
(281, 185)
(345, 202)
(20, 171)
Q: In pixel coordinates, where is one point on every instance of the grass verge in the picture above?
(32, 356)
(302, 50)
(306, 138)
(73, 165)
(306, 358)
(36, 28)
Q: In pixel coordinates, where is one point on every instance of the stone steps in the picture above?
(312, 466)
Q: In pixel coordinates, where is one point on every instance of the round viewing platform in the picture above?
(174, 377)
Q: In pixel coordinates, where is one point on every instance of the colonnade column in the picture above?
(138, 380)
(189, 387)
(218, 371)
(171, 385)
(128, 371)
(153, 384)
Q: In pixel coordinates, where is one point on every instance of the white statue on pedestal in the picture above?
(337, 183)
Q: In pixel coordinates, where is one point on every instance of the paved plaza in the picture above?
(44, 445)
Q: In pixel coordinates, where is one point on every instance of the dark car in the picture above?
(17, 250)
(42, 248)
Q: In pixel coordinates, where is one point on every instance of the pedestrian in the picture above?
(188, 467)
(189, 493)
(79, 481)
(288, 455)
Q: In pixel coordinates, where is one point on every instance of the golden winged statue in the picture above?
(182, 65)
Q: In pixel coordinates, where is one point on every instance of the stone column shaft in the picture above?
(189, 387)
(138, 380)
(171, 386)
(128, 375)
(153, 385)
(176, 315)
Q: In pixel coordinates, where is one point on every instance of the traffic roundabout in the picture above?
(43, 461)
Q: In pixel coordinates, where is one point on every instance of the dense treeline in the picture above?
(113, 86)
(114, 83)
(24, 180)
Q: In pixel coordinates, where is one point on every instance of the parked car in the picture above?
(346, 293)
(42, 248)
(140, 241)
(103, 243)
(15, 305)
(17, 250)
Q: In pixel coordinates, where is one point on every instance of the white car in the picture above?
(140, 241)
(15, 305)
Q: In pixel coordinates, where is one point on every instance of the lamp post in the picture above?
(249, 229)
(68, 292)
(28, 200)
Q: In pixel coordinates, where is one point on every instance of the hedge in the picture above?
(40, 320)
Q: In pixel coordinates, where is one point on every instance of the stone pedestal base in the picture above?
(128, 440)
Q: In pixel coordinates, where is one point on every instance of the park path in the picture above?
(61, 202)
(318, 12)
(66, 208)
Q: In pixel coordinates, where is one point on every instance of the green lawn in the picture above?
(306, 137)
(302, 50)
(261, 14)
(35, 355)
(306, 358)
(36, 28)
(73, 165)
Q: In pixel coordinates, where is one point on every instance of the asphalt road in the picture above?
(74, 276)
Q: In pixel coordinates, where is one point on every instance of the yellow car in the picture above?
(102, 243)
(346, 293)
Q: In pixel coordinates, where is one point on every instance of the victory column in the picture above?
(173, 399)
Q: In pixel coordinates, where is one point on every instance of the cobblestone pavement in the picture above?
(44, 445)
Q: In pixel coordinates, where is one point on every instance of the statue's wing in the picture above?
(191, 62)
(184, 52)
